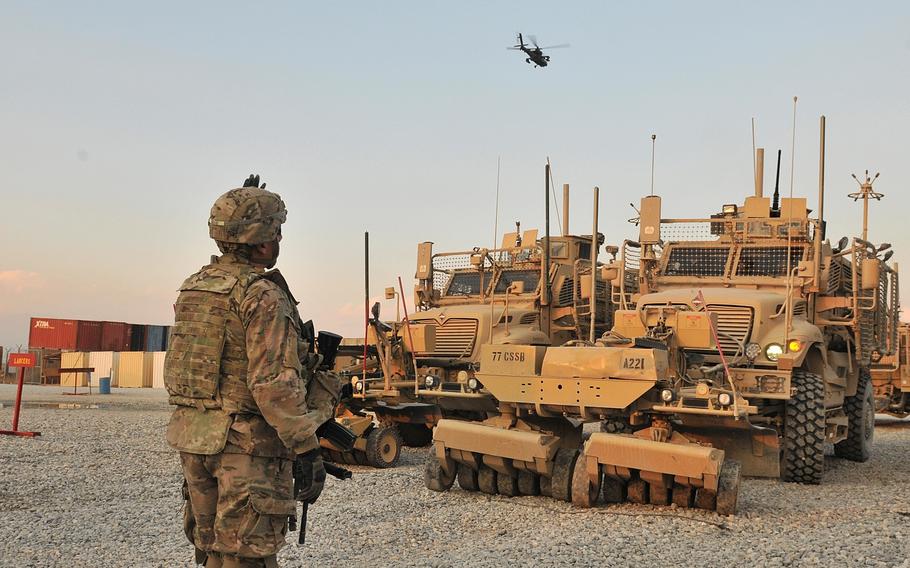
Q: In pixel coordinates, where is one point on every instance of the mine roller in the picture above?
(535, 445)
(419, 369)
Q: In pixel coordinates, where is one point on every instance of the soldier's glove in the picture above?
(253, 181)
(309, 476)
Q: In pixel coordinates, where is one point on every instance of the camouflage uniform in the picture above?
(234, 371)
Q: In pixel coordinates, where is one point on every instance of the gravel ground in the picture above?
(101, 488)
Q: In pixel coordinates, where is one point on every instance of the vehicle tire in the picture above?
(467, 478)
(434, 477)
(383, 447)
(584, 493)
(803, 455)
(860, 410)
(728, 487)
(486, 480)
(415, 435)
(561, 481)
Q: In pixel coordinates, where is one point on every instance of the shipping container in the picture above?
(73, 360)
(53, 333)
(88, 335)
(105, 364)
(155, 338)
(158, 370)
(137, 337)
(134, 369)
(115, 336)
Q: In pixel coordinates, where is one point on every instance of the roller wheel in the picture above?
(860, 409)
(546, 485)
(507, 485)
(616, 425)
(486, 480)
(728, 487)
(683, 496)
(614, 490)
(561, 481)
(467, 478)
(803, 456)
(584, 492)
(434, 477)
(383, 447)
(415, 435)
(658, 494)
(705, 499)
(637, 491)
(528, 483)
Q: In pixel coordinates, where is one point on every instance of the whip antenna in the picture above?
(653, 144)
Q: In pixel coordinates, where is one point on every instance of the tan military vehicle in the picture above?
(422, 368)
(891, 378)
(743, 346)
(800, 325)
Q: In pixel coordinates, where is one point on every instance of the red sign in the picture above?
(22, 360)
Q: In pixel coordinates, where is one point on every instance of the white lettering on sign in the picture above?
(43, 324)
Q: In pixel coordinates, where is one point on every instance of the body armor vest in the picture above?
(206, 362)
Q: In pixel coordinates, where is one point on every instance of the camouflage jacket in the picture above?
(233, 366)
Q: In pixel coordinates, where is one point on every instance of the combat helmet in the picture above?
(247, 215)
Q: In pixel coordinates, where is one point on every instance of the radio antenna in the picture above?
(789, 317)
(653, 144)
(775, 204)
(553, 190)
(754, 172)
(496, 215)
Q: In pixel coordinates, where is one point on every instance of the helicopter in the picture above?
(535, 54)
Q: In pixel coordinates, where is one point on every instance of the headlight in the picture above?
(773, 351)
(358, 386)
(794, 345)
(430, 381)
(753, 350)
(667, 395)
(724, 399)
(473, 384)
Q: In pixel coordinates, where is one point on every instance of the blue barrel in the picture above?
(104, 385)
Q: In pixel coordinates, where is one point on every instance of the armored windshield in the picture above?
(767, 261)
(529, 277)
(467, 283)
(697, 261)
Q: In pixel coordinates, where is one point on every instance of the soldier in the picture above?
(234, 371)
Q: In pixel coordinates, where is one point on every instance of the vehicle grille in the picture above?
(454, 337)
(735, 321)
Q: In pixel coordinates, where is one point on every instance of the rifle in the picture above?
(327, 345)
(335, 471)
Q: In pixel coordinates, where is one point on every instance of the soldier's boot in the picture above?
(230, 561)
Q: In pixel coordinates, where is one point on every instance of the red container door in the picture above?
(88, 336)
(52, 333)
(115, 336)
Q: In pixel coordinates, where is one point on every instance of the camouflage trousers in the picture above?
(237, 507)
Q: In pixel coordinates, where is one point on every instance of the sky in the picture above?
(123, 121)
